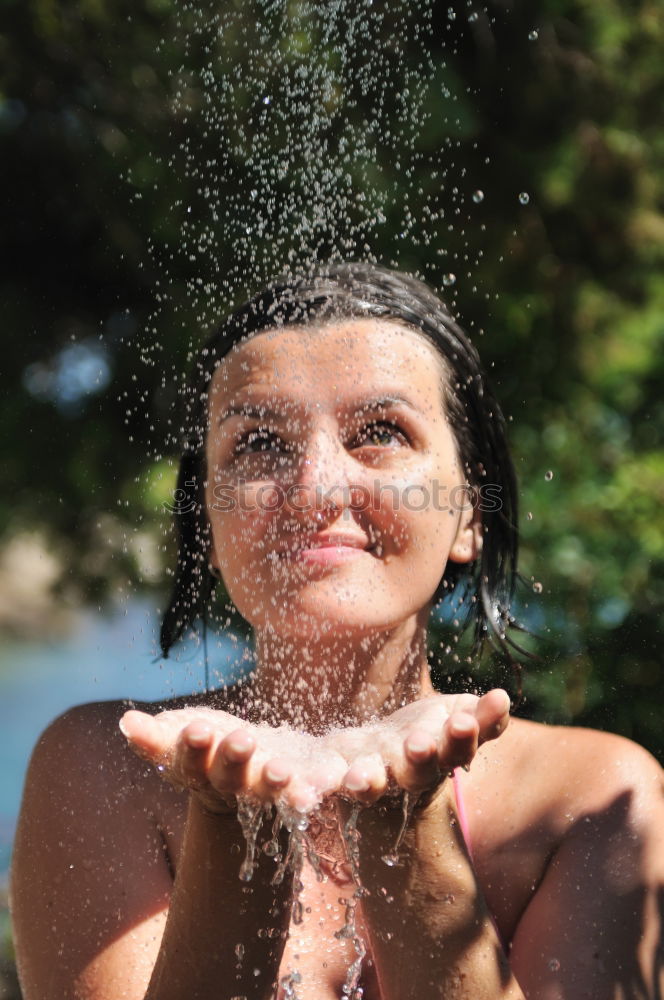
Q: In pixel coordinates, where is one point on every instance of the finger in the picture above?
(493, 714)
(193, 754)
(366, 778)
(229, 770)
(146, 737)
(276, 774)
(460, 741)
(419, 768)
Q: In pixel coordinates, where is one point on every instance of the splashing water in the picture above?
(252, 814)
(408, 805)
(282, 161)
(288, 984)
(351, 839)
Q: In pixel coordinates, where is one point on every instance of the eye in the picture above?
(381, 434)
(259, 439)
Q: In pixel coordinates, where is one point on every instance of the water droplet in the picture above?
(478, 196)
(267, 100)
(449, 279)
(451, 14)
(473, 17)
(548, 476)
(537, 587)
(554, 964)
(524, 198)
(533, 35)
(529, 515)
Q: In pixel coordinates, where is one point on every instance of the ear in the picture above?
(467, 544)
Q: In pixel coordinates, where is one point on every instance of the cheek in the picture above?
(241, 536)
(413, 507)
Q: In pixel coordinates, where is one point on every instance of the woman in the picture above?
(337, 428)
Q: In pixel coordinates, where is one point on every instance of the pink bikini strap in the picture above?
(463, 823)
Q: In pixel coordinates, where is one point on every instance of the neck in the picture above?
(338, 679)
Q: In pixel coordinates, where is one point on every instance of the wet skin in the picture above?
(565, 823)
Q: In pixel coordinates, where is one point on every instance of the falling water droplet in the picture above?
(524, 198)
(554, 964)
(451, 14)
(449, 279)
(537, 587)
(473, 17)
(533, 35)
(548, 476)
(478, 196)
(529, 515)
(409, 803)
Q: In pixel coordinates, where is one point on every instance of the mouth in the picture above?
(326, 548)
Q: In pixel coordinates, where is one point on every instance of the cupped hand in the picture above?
(418, 745)
(218, 756)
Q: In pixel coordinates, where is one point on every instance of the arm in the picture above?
(594, 926)
(91, 884)
(431, 932)
(212, 912)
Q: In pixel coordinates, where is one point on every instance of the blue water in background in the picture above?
(106, 656)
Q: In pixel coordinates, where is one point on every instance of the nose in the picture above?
(322, 476)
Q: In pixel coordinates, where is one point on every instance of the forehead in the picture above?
(332, 359)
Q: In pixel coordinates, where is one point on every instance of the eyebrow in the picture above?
(385, 401)
(259, 411)
(255, 410)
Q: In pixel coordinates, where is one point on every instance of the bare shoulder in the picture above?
(86, 744)
(595, 807)
(581, 769)
(541, 795)
(94, 725)
(90, 866)
(83, 777)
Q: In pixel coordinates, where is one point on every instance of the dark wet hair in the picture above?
(485, 588)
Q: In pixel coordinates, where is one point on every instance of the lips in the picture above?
(331, 540)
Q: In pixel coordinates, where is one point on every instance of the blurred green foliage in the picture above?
(101, 126)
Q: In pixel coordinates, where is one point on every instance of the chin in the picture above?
(315, 620)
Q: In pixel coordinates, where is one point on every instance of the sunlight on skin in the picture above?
(378, 421)
(219, 757)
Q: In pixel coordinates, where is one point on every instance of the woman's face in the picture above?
(334, 485)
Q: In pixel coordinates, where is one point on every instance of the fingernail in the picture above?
(275, 773)
(461, 728)
(356, 783)
(419, 744)
(199, 738)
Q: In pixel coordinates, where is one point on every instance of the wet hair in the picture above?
(485, 587)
